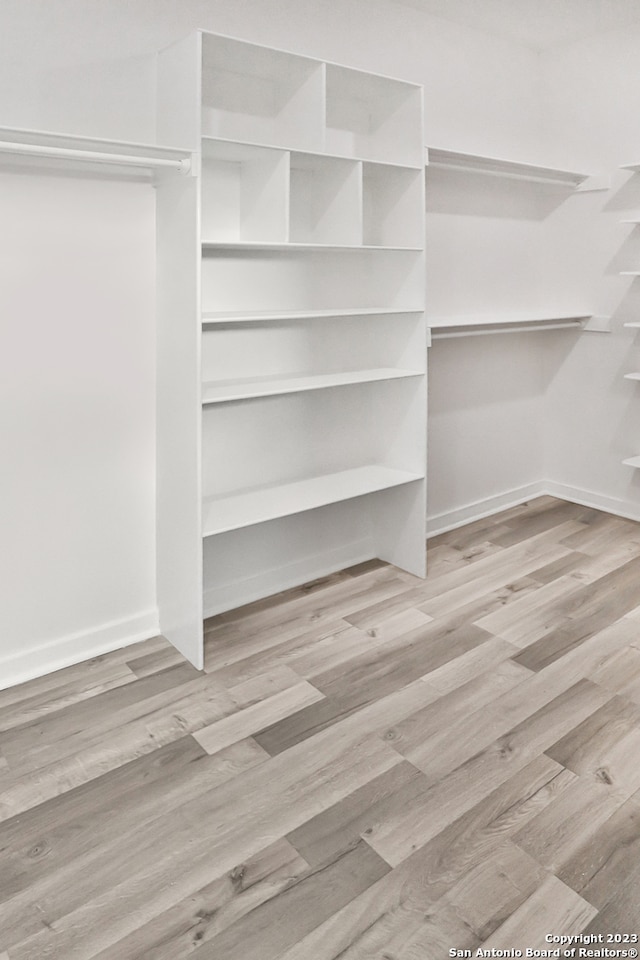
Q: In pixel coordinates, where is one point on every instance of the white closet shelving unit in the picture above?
(634, 325)
(292, 336)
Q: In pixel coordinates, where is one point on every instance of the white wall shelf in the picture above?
(634, 324)
(634, 220)
(208, 247)
(630, 273)
(632, 462)
(461, 326)
(634, 167)
(223, 514)
(285, 315)
(46, 147)
(516, 170)
(225, 391)
(209, 142)
(632, 376)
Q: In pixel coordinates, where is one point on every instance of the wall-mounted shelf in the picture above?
(259, 316)
(632, 376)
(39, 146)
(311, 247)
(634, 324)
(634, 220)
(515, 170)
(634, 167)
(223, 514)
(632, 462)
(227, 390)
(630, 273)
(468, 326)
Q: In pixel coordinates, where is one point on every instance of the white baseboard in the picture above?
(628, 509)
(74, 648)
(451, 519)
(269, 582)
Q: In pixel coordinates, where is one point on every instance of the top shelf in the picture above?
(515, 170)
(43, 146)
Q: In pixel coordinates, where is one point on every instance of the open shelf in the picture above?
(634, 167)
(221, 514)
(494, 166)
(37, 147)
(392, 199)
(635, 324)
(244, 193)
(259, 316)
(375, 118)
(446, 327)
(632, 376)
(392, 164)
(630, 273)
(632, 462)
(634, 220)
(325, 200)
(250, 245)
(226, 390)
(258, 94)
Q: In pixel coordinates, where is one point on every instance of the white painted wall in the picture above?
(592, 415)
(79, 551)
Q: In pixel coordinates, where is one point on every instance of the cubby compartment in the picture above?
(326, 200)
(242, 282)
(244, 193)
(372, 117)
(392, 206)
(256, 94)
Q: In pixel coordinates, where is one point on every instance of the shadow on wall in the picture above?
(467, 193)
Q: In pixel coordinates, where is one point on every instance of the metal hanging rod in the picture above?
(68, 153)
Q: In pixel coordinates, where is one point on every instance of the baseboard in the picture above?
(451, 519)
(76, 647)
(269, 582)
(588, 498)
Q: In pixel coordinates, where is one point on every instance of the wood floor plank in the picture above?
(181, 930)
(229, 730)
(486, 896)
(459, 790)
(602, 858)
(371, 766)
(553, 908)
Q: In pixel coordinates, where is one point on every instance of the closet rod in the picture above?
(525, 328)
(68, 153)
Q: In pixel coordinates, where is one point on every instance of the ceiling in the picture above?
(541, 24)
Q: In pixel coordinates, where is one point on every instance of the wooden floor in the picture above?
(373, 766)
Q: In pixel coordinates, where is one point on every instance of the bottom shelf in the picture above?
(632, 462)
(222, 514)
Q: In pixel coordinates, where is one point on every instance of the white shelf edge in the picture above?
(227, 391)
(632, 462)
(634, 324)
(261, 245)
(464, 326)
(311, 153)
(224, 514)
(259, 317)
(630, 273)
(631, 220)
(46, 144)
(632, 376)
(514, 169)
(634, 167)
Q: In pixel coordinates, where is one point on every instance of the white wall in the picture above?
(592, 414)
(79, 550)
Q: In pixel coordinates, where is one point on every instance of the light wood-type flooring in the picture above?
(372, 766)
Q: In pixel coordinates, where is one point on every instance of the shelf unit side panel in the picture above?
(179, 512)
(179, 81)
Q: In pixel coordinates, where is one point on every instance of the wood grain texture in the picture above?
(371, 765)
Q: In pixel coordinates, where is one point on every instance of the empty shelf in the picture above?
(632, 462)
(475, 163)
(226, 390)
(632, 376)
(222, 514)
(253, 316)
(630, 273)
(635, 324)
(283, 247)
(442, 327)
